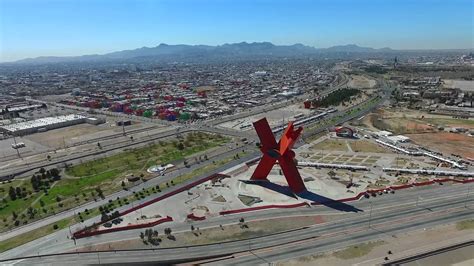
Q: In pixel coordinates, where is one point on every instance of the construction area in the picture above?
(446, 134)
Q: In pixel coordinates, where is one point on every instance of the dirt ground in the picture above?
(217, 234)
(446, 142)
(331, 144)
(404, 121)
(466, 85)
(408, 242)
(367, 146)
(358, 81)
(56, 138)
(59, 137)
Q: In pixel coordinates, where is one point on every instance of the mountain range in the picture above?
(181, 51)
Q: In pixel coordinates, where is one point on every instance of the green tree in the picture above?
(12, 193)
(35, 183)
(18, 192)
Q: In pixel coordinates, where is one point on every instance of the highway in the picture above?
(388, 214)
(59, 241)
(110, 149)
(122, 193)
(152, 182)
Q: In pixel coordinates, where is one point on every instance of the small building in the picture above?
(94, 120)
(398, 139)
(383, 133)
(344, 132)
(123, 123)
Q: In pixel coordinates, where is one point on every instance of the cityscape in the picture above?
(236, 153)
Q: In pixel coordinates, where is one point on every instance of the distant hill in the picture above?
(352, 48)
(233, 50)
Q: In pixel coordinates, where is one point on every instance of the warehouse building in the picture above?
(47, 123)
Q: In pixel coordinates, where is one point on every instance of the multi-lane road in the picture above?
(118, 147)
(379, 217)
(124, 193)
(438, 201)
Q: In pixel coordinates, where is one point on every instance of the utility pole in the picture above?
(123, 127)
(370, 214)
(417, 199)
(16, 148)
(467, 196)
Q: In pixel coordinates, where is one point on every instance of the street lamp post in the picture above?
(370, 214)
(467, 196)
(16, 148)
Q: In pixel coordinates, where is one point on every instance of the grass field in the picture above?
(451, 122)
(205, 169)
(104, 173)
(357, 251)
(46, 230)
(367, 146)
(331, 144)
(138, 159)
(42, 231)
(465, 225)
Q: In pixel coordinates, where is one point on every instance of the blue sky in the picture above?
(30, 28)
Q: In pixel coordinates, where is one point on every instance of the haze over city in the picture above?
(32, 28)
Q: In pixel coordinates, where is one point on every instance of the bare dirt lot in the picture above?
(404, 121)
(331, 144)
(56, 138)
(360, 82)
(66, 136)
(446, 142)
(367, 146)
(465, 85)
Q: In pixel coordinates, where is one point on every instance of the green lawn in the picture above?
(106, 173)
(205, 169)
(43, 231)
(331, 145)
(140, 158)
(465, 225)
(357, 251)
(5, 185)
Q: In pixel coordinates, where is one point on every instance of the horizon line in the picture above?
(230, 43)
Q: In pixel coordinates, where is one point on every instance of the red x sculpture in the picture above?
(281, 152)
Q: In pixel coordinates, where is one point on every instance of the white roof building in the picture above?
(398, 138)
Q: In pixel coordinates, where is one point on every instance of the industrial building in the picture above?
(47, 123)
